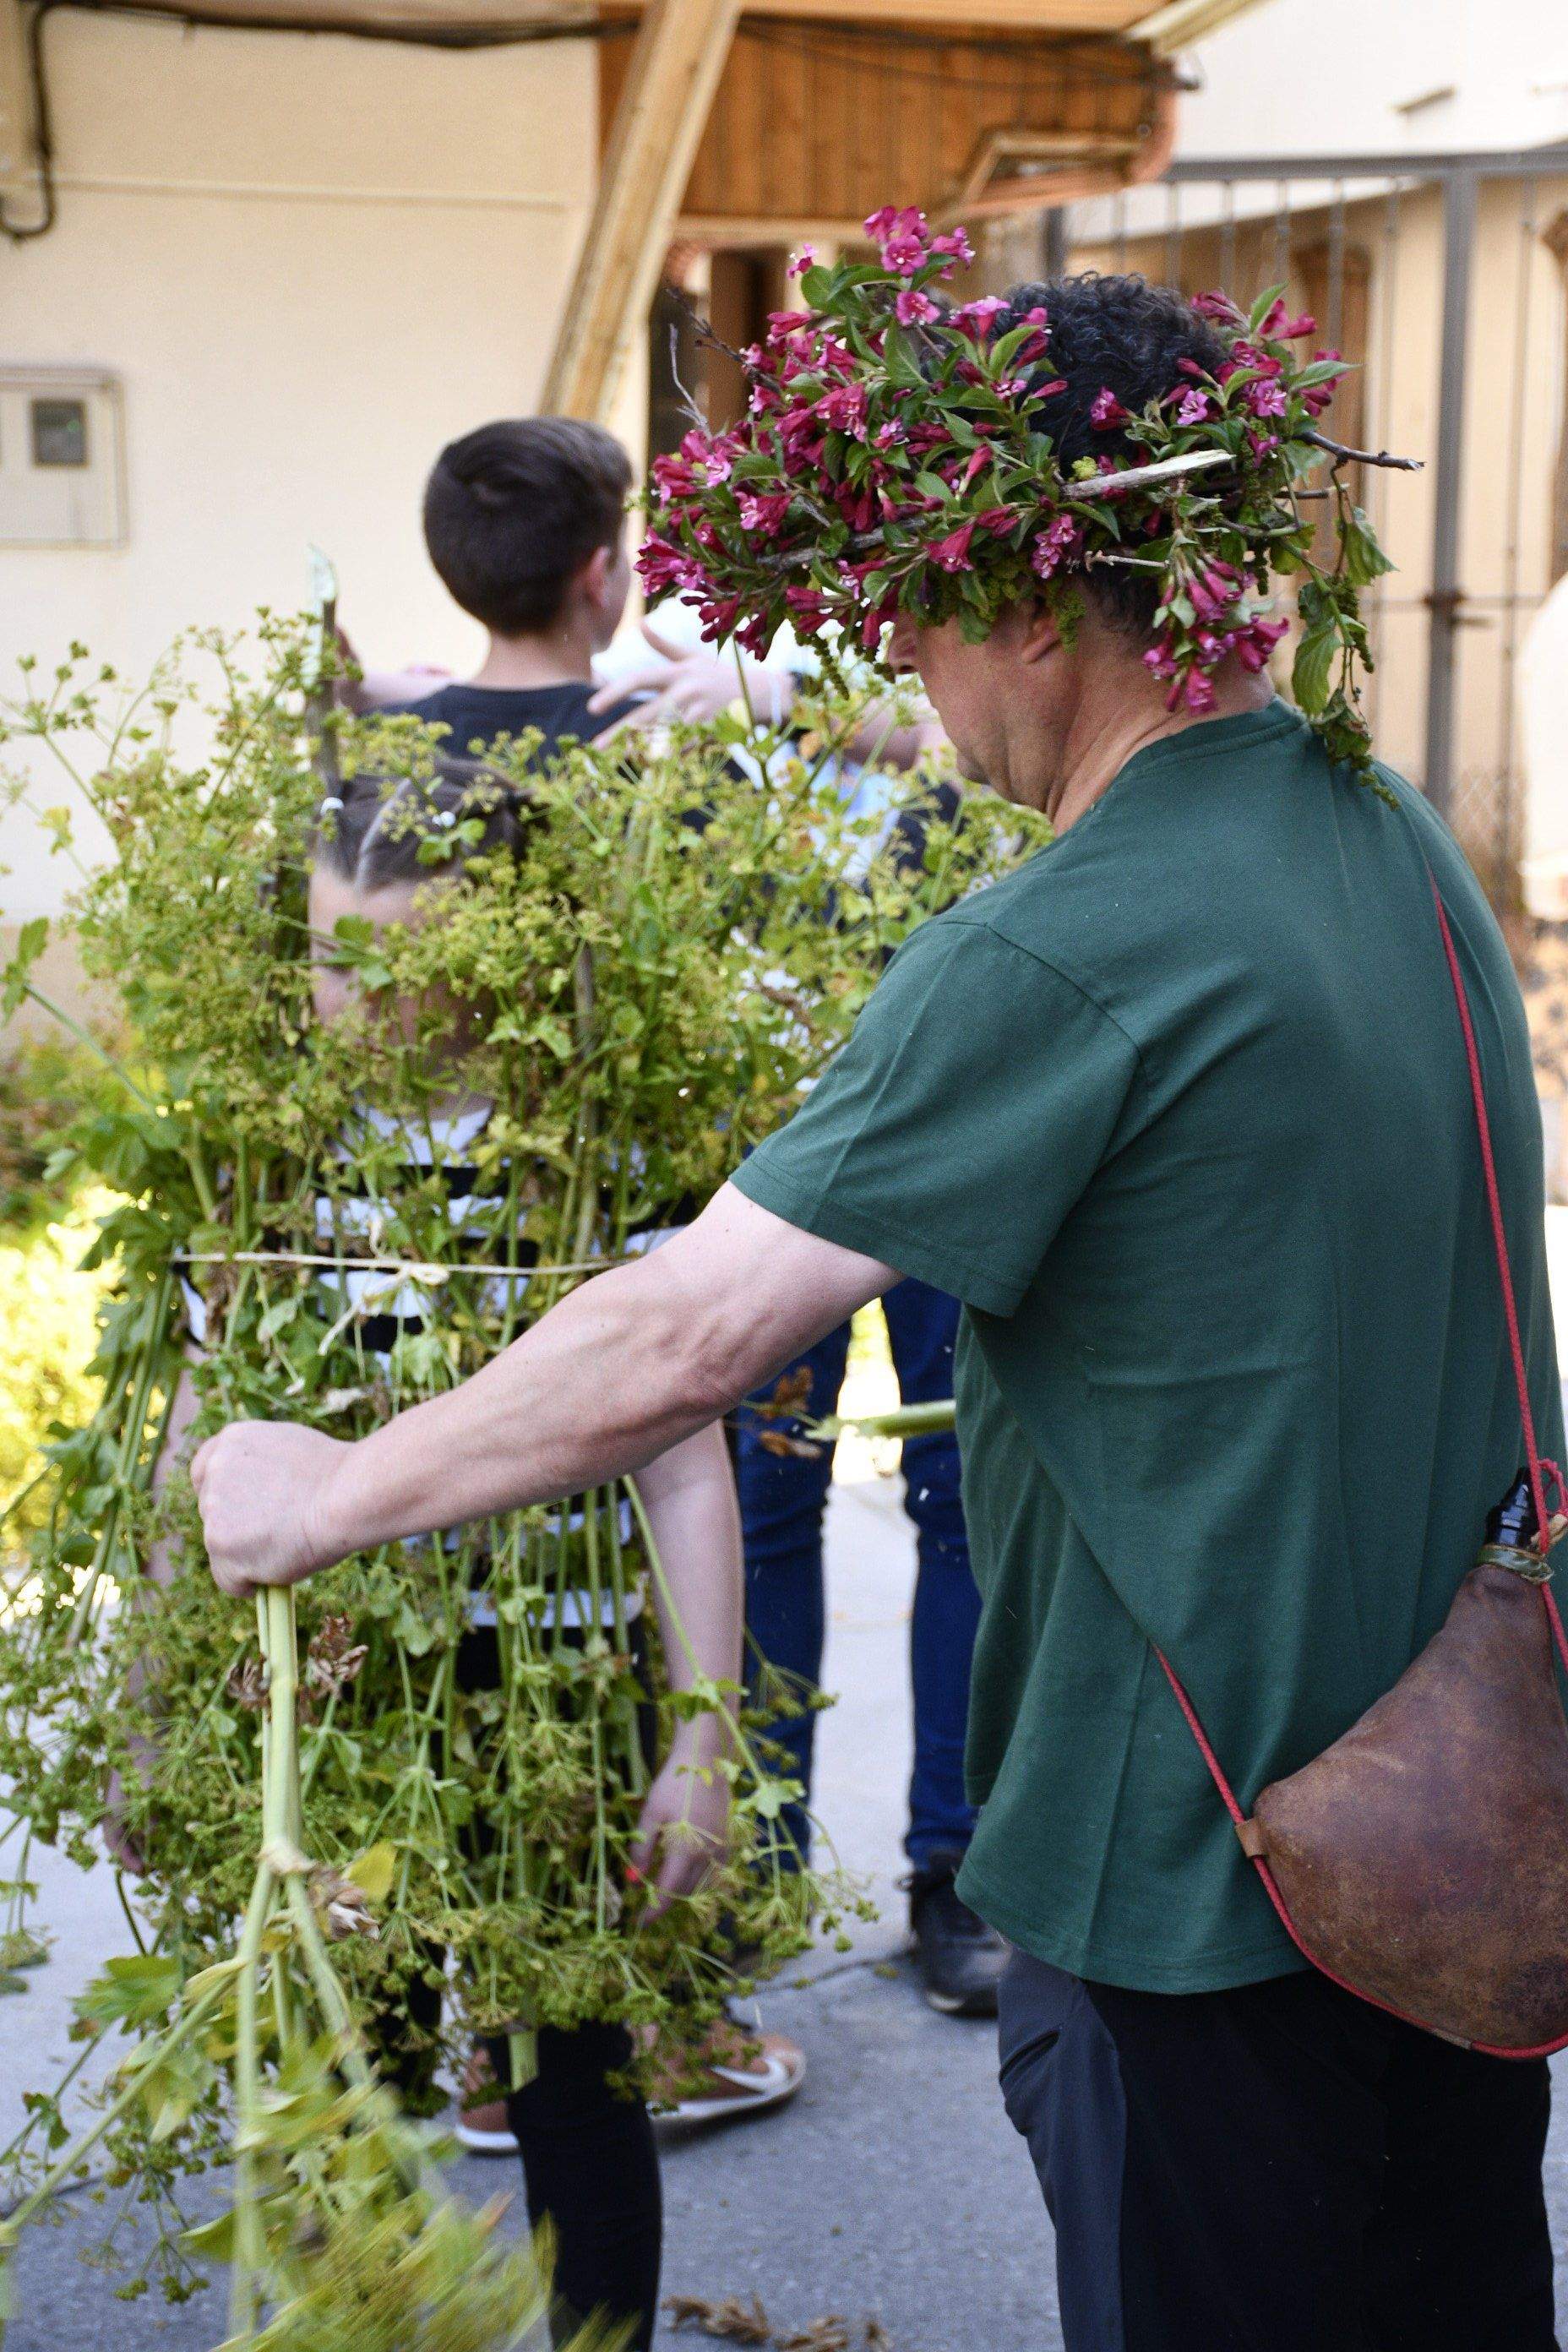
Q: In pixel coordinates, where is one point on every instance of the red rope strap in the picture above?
(1540, 1471)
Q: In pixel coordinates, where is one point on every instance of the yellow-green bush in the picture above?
(48, 1315)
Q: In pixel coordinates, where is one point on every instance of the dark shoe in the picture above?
(961, 1959)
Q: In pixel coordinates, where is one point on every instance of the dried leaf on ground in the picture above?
(829, 2333)
(739, 2323)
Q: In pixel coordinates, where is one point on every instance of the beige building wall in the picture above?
(308, 261)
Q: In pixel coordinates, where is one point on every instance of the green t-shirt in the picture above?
(1180, 1111)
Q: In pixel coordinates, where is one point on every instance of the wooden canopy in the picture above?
(797, 117)
(801, 116)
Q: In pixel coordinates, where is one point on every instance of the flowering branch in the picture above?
(900, 454)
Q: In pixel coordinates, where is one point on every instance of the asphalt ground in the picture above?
(891, 2190)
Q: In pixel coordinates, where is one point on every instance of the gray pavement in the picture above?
(892, 2187)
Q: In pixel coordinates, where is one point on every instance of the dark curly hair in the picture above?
(1123, 334)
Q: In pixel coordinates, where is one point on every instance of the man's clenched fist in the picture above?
(262, 1487)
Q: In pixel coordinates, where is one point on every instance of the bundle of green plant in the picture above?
(615, 977)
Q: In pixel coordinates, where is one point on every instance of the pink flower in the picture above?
(662, 566)
(810, 608)
(1262, 444)
(1214, 590)
(877, 620)
(1217, 307)
(859, 507)
(952, 553)
(891, 436)
(803, 261)
(1317, 396)
(955, 244)
(1281, 328)
(1253, 645)
(1199, 690)
(764, 511)
(1106, 412)
(1266, 398)
(976, 318)
(914, 308)
(719, 618)
(1058, 543)
(1195, 408)
(900, 236)
(673, 477)
(997, 521)
(844, 407)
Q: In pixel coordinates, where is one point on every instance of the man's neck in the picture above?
(1108, 731)
(562, 655)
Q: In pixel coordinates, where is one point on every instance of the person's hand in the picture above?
(370, 690)
(685, 1822)
(691, 687)
(262, 1487)
(119, 1845)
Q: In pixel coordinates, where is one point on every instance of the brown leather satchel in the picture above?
(1422, 1861)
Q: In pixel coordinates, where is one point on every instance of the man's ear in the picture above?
(1040, 632)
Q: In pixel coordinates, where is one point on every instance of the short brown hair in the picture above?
(514, 509)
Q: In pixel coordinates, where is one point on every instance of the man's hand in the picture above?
(693, 687)
(684, 1824)
(262, 1487)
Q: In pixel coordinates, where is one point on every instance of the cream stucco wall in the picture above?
(311, 261)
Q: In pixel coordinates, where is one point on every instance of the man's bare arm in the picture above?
(620, 1372)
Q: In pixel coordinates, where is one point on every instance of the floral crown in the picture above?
(897, 455)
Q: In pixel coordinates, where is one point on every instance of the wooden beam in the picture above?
(674, 70)
(22, 193)
(971, 16)
(1183, 21)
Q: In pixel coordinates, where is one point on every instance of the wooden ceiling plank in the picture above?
(674, 70)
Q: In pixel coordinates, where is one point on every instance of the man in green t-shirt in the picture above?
(1180, 1111)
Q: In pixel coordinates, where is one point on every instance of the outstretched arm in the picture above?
(698, 1596)
(617, 1373)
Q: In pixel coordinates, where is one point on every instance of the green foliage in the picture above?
(48, 1311)
(639, 993)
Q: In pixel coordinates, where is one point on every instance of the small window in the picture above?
(59, 432)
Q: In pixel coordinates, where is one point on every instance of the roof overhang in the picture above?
(1162, 29)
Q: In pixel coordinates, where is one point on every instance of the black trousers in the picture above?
(590, 2160)
(1277, 2168)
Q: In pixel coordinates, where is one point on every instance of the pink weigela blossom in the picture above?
(1281, 328)
(1267, 397)
(1060, 542)
(900, 236)
(913, 309)
(952, 553)
(1106, 412)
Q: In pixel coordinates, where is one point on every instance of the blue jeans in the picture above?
(782, 1497)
